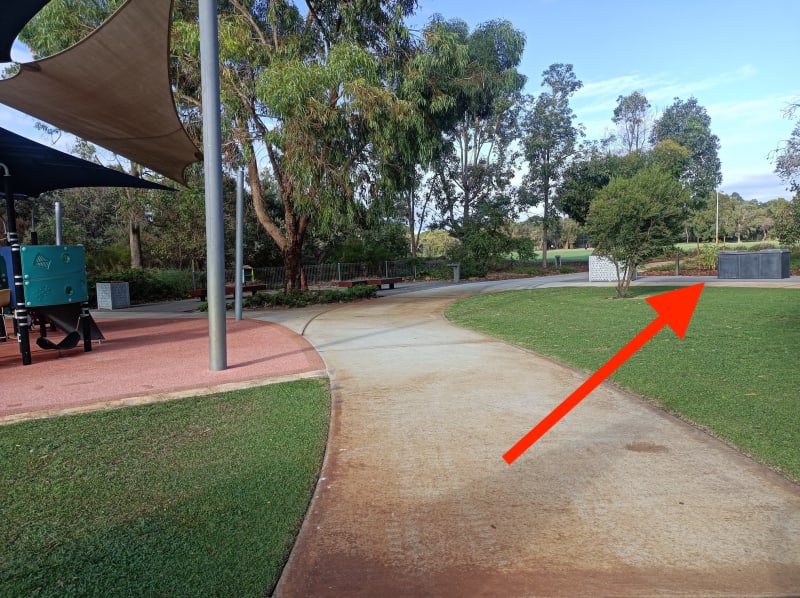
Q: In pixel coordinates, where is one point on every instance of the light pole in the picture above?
(716, 226)
(212, 156)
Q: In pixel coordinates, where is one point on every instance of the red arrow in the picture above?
(674, 308)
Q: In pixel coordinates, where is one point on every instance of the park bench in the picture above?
(251, 288)
(378, 282)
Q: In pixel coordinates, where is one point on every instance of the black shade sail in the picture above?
(13, 17)
(34, 168)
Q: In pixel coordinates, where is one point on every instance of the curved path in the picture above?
(619, 499)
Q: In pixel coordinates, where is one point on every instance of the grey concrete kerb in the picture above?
(619, 499)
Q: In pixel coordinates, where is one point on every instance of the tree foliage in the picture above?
(308, 93)
(549, 137)
(430, 81)
(473, 172)
(631, 116)
(787, 223)
(634, 218)
(787, 164)
(688, 124)
(584, 177)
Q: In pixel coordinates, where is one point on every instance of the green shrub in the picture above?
(708, 257)
(754, 247)
(539, 271)
(281, 299)
(436, 270)
(107, 259)
(146, 285)
(794, 259)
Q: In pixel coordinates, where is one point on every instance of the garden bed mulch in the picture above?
(683, 272)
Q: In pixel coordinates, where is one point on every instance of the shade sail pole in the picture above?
(239, 244)
(212, 150)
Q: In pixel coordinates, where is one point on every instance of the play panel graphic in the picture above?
(53, 275)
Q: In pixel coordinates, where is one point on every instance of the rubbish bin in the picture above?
(456, 271)
(248, 274)
(114, 294)
(768, 263)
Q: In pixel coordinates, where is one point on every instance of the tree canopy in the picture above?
(634, 218)
(346, 121)
(549, 136)
(787, 164)
(631, 116)
(688, 124)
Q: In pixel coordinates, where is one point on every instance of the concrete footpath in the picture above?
(619, 499)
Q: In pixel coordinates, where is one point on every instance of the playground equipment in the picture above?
(53, 288)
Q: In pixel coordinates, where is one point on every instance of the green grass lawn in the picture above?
(736, 371)
(197, 497)
(727, 244)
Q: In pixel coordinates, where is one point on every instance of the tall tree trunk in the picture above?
(135, 242)
(290, 240)
(295, 280)
(412, 223)
(293, 268)
(545, 222)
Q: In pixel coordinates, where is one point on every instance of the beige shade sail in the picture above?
(113, 89)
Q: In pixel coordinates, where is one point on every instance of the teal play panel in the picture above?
(53, 274)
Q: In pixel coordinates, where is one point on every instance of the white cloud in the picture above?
(658, 88)
(762, 186)
(768, 109)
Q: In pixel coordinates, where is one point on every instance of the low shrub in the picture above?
(708, 258)
(304, 299)
(755, 247)
(539, 271)
(794, 259)
(435, 270)
(146, 285)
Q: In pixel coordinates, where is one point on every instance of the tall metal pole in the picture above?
(212, 149)
(239, 243)
(716, 227)
(59, 222)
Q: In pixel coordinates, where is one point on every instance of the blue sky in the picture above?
(737, 57)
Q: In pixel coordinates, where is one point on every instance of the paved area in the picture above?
(619, 499)
(151, 353)
(414, 498)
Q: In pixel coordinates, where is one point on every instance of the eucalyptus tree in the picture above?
(476, 164)
(550, 138)
(432, 80)
(688, 124)
(305, 90)
(786, 216)
(631, 115)
(787, 163)
(304, 98)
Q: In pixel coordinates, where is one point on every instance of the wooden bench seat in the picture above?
(251, 287)
(378, 282)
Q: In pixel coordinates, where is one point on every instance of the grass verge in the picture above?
(198, 497)
(735, 372)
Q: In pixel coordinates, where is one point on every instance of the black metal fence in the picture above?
(320, 275)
